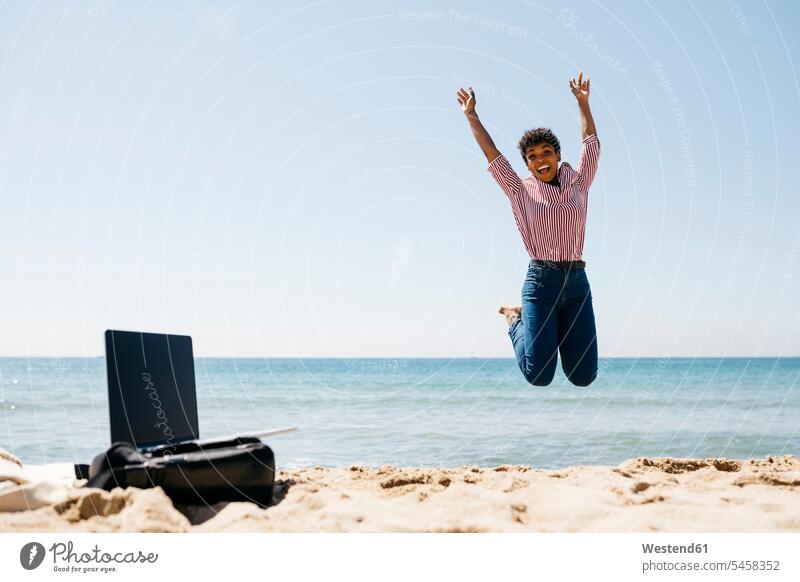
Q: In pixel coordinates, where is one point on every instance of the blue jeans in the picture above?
(557, 315)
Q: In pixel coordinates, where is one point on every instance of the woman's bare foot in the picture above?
(511, 313)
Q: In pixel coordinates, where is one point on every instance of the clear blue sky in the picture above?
(298, 180)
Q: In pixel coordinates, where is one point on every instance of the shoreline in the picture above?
(650, 494)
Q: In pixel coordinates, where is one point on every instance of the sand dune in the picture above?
(710, 495)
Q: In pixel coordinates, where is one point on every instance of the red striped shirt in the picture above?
(551, 219)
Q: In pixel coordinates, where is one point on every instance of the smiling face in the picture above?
(542, 160)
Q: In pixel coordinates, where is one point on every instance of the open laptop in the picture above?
(152, 398)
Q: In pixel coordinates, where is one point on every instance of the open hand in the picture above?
(580, 88)
(466, 98)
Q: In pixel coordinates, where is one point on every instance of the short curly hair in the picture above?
(538, 135)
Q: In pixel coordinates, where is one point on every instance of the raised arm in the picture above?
(590, 150)
(466, 98)
(580, 89)
(499, 167)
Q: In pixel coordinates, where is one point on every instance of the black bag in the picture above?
(239, 469)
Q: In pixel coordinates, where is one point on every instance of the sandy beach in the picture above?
(642, 495)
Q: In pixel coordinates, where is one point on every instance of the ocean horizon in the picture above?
(432, 411)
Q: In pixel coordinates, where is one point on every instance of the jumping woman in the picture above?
(549, 208)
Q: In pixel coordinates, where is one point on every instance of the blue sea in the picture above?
(432, 412)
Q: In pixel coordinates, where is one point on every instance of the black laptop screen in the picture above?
(151, 388)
